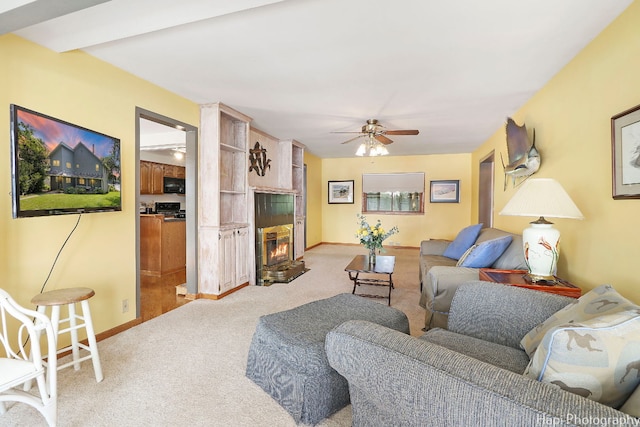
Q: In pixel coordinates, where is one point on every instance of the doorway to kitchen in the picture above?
(166, 199)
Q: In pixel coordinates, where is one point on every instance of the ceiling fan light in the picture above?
(362, 149)
(382, 150)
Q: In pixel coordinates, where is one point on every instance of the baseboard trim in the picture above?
(222, 295)
(106, 334)
(120, 328)
(358, 244)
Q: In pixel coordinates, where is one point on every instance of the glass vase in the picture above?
(372, 256)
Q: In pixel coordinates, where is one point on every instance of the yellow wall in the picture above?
(571, 116)
(440, 220)
(80, 89)
(314, 199)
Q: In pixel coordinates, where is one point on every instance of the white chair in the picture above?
(19, 366)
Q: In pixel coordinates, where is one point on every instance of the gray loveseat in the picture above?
(468, 375)
(439, 276)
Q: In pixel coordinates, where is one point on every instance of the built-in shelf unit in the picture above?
(223, 235)
(297, 184)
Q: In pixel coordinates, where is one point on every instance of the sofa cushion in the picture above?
(484, 254)
(513, 256)
(502, 356)
(632, 405)
(463, 241)
(429, 261)
(595, 303)
(597, 358)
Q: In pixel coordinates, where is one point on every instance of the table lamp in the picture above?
(541, 197)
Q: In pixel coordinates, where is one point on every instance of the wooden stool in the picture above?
(70, 297)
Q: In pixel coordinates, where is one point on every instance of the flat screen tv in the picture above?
(60, 168)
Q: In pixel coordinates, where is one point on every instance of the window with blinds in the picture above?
(401, 193)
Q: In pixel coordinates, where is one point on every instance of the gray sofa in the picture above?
(468, 375)
(439, 276)
(287, 359)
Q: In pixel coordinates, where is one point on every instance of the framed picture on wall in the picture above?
(445, 191)
(625, 154)
(340, 192)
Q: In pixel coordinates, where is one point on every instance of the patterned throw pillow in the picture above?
(595, 303)
(598, 359)
(463, 241)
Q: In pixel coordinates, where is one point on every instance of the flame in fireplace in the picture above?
(282, 250)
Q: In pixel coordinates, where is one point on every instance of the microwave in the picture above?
(173, 185)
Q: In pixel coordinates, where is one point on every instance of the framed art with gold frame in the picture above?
(625, 154)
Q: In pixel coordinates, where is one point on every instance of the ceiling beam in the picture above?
(34, 12)
(120, 19)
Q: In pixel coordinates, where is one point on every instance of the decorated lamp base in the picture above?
(541, 243)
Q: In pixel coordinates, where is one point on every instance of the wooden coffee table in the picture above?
(360, 265)
(516, 278)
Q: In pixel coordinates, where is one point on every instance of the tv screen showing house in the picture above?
(60, 168)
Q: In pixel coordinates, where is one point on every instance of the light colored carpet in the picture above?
(187, 367)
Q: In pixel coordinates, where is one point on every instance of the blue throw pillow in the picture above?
(486, 253)
(463, 241)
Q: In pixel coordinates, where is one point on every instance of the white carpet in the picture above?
(186, 367)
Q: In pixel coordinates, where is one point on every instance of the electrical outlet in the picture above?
(125, 305)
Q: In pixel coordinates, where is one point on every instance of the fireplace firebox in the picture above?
(274, 253)
(277, 244)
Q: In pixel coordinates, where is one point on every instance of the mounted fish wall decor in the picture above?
(524, 157)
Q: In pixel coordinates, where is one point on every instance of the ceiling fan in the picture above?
(376, 131)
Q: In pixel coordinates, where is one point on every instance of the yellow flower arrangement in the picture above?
(372, 237)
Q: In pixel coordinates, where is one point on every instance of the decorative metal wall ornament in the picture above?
(524, 157)
(258, 159)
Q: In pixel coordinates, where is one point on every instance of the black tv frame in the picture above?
(74, 168)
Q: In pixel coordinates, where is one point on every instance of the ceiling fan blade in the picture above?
(355, 131)
(383, 139)
(352, 139)
(402, 132)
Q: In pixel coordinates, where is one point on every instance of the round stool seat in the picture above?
(55, 301)
(63, 296)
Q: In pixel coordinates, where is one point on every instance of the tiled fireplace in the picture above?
(274, 219)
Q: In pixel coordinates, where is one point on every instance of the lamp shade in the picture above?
(373, 147)
(542, 197)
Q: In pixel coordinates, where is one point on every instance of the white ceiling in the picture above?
(156, 136)
(301, 69)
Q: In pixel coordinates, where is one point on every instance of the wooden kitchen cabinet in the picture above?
(163, 249)
(174, 171)
(145, 177)
(151, 178)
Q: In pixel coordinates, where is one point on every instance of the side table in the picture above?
(516, 278)
(384, 266)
